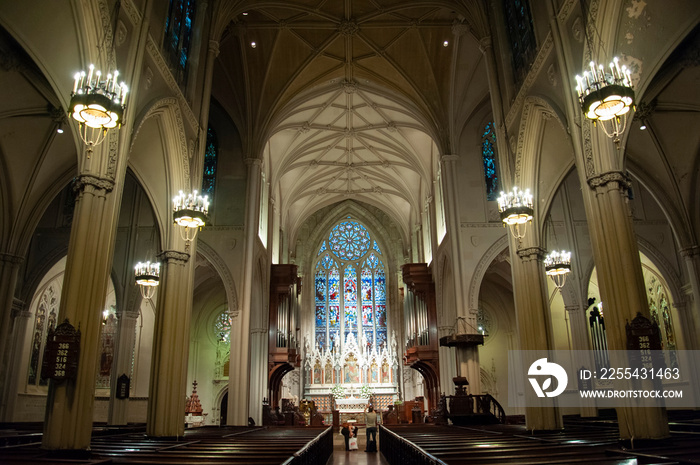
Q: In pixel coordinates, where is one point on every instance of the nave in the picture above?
(581, 441)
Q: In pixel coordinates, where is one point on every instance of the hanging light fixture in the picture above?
(97, 104)
(190, 213)
(516, 209)
(557, 265)
(147, 277)
(607, 96)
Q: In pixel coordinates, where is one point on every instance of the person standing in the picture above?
(371, 424)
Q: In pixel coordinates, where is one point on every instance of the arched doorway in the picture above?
(223, 411)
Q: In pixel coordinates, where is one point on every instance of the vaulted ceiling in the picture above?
(349, 99)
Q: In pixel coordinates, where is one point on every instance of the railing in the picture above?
(468, 405)
(316, 452)
(399, 451)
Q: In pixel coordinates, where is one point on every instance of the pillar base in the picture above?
(68, 454)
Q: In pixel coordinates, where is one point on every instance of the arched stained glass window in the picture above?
(178, 35)
(350, 284)
(210, 157)
(488, 153)
(222, 327)
(521, 34)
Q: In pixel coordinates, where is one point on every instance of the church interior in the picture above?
(251, 213)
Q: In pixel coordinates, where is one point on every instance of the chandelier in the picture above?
(606, 97)
(190, 213)
(557, 265)
(97, 104)
(516, 210)
(147, 277)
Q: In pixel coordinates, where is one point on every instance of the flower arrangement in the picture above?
(365, 391)
(338, 391)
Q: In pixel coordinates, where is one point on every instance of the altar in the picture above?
(351, 405)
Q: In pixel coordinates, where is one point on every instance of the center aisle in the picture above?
(341, 457)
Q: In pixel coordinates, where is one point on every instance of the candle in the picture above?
(114, 83)
(89, 77)
(75, 84)
(124, 93)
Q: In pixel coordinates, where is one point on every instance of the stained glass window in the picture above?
(222, 326)
(210, 159)
(521, 35)
(488, 153)
(178, 34)
(350, 285)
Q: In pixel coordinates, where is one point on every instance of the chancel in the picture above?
(228, 228)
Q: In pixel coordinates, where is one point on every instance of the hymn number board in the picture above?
(62, 353)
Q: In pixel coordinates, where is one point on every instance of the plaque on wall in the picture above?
(644, 343)
(62, 353)
(123, 383)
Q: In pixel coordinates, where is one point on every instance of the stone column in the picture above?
(619, 272)
(171, 337)
(448, 363)
(258, 368)
(534, 322)
(69, 408)
(581, 344)
(123, 354)
(9, 267)
(239, 373)
(21, 318)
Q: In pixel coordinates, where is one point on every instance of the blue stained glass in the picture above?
(210, 161)
(367, 315)
(375, 246)
(320, 288)
(350, 297)
(488, 154)
(320, 316)
(349, 240)
(366, 286)
(369, 336)
(372, 261)
(326, 262)
(379, 287)
(333, 316)
(321, 339)
(521, 36)
(381, 338)
(381, 316)
(322, 249)
(334, 338)
(178, 35)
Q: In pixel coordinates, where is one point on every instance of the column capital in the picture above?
(9, 258)
(18, 308)
(82, 181)
(214, 47)
(532, 253)
(173, 256)
(485, 43)
(253, 161)
(460, 28)
(449, 158)
(602, 180)
(573, 308)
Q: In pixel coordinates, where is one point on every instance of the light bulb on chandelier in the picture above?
(516, 209)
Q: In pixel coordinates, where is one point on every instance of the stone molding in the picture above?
(532, 253)
(604, 179)
(173, 256)
(9, 258)
(81, 182)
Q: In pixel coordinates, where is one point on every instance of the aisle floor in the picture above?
(341, 457)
